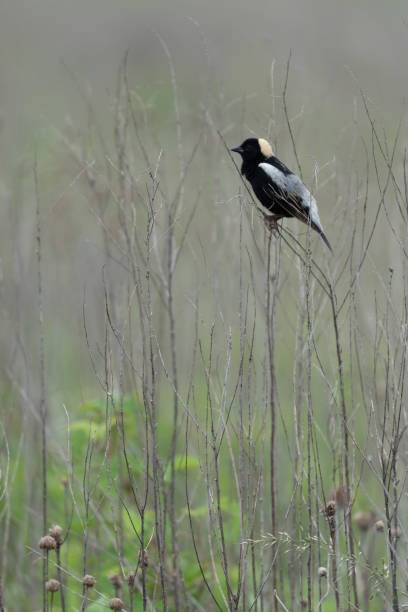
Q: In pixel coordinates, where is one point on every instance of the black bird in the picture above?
(278, 189)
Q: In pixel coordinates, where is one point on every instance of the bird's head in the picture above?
(254, 150)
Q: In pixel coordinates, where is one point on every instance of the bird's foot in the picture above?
(271, 223)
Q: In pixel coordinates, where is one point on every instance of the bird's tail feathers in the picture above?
(323, 236)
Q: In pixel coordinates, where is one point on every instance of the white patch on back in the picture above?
(314, 215)
(295, 188)
(275, 175)
(265, 147)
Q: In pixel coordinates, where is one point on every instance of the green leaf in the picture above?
(180, 465)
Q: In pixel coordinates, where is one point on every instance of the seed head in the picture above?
(364, 520)
(322, 572)
(115, 580)
(395, 533)
(379, 526)
(339, 495)
(131, 578)
(56, 533)
(116, 604)
(88, 581)
(330, 508)
(47, 543)
(145, 558)
(52, 585)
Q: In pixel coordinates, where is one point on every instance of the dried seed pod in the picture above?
(52, 585)
(88, 580)
(115, 580)
(395, 533)
(339, 495)
(145, 558)
(56, 533)
(47, 543)
(116, 604)
(322, 572)
(330, 508)
(364, 520)
(379, 526)
(131, 579)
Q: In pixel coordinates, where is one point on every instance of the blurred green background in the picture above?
(227, 58)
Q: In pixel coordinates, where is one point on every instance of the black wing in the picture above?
(274, 161)
(271, 191)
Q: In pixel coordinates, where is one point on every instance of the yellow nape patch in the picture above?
(265, 147)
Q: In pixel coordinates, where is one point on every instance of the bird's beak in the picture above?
(238, 150)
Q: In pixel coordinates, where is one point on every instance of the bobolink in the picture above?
(278, 189)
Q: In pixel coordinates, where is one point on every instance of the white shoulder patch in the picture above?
(275, 175)
(297, 189)
(265, 147)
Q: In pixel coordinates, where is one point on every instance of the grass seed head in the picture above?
(115, 580)
(56, 533)
(116, 604)
(52, 585)
(88, 580)
(145, 558)
(364, 520)
(47, 543)
(330, 508)
(339, 495)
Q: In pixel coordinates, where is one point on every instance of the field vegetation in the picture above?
(198, 414)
